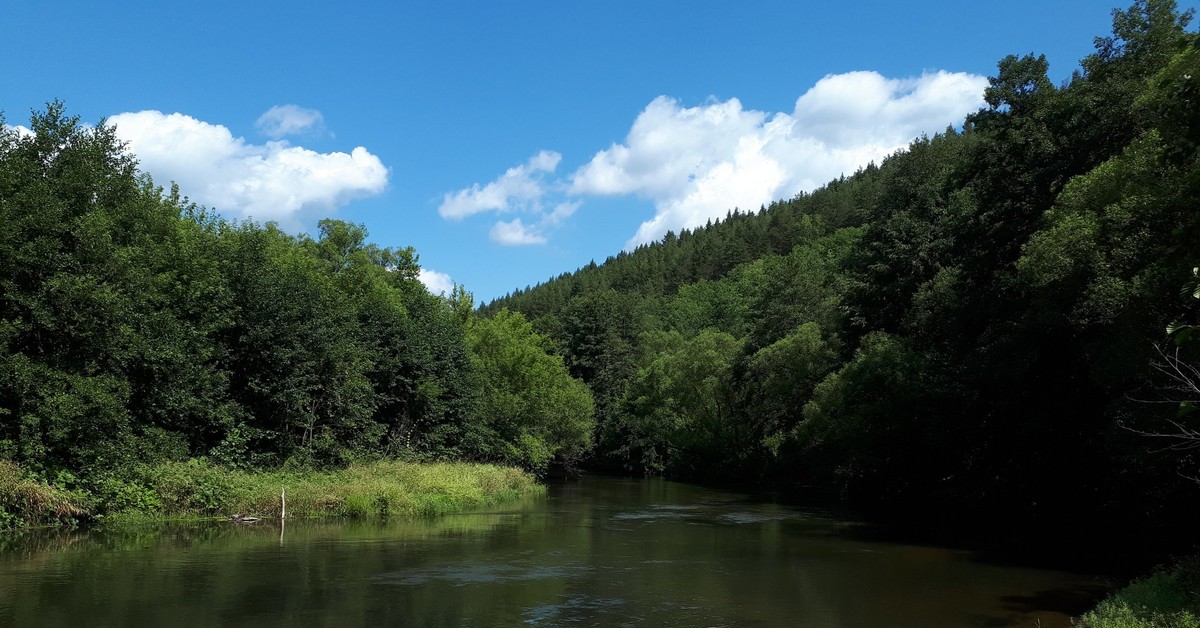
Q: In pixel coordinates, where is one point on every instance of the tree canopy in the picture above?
(971, 321)
(136, 326)
(976, 321)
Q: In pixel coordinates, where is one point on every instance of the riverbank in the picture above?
(595, 551)
(196, 489)
(1170, 598)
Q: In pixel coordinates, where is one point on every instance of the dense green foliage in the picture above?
(1167, 599)
(528, 401)
(27, 502)
(199, 489)
(135, 327)
(979, 321)
(972, 321)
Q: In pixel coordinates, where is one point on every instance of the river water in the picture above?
(597, 552)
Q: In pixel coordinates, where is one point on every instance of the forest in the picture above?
(138, 329)
(997, 324)
(993, 322)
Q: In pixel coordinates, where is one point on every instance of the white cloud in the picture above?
(519, 188)
(435, 282)
(282, 120)
(864, 108)
(515, 233)
(272, 181)
(560, 213)
(666, 147)
(697, 163)
(21, 131)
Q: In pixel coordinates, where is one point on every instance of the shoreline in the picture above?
(197, 490)
(1169, 597)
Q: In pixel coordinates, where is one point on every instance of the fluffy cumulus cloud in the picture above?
(272, 181)
(697, 163)
(519, 188)
(435, 282)
(283, 120)
(515, 233)
(21, 131)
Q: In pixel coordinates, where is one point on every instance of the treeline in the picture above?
(973, 321)
(137, 328)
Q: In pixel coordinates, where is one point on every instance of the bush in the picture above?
(199, 489)
(1168, 599)
(25, 501)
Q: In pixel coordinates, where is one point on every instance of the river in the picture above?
(596, 552)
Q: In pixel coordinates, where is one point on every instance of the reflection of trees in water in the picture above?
(212, 572)
(192, 535)
(691, 555)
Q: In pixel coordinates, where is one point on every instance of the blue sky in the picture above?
(510, 142)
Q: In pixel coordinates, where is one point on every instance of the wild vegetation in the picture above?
(198, 489)
(998, 323)
(970, 327)
(1167, 599)
(139, 331)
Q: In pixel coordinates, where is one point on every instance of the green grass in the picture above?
(197, 489)
(1167, 599)
(25, 501)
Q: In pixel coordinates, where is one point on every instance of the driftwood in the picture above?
(239, 518)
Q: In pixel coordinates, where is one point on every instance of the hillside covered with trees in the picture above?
(997, 322)
(138, 329)
(976, 325)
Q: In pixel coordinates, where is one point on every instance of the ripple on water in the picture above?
(658, 511)
(574, 608)
(695, 514)
(462, 574)
(754, 517)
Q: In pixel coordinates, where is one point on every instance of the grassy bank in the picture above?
(197, 489)
(27, 502)
(1167, 599)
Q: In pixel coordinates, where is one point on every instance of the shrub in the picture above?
(1168, 599)
(25, 501)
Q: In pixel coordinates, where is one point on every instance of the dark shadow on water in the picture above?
(1072, 601)
(1110, 554)
(1043, 608)
(595, 551)
(1095, 556)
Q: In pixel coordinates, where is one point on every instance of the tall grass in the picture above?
(198, 489)
(25, 501)
(1168, 599)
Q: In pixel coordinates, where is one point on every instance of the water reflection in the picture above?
(599, 552)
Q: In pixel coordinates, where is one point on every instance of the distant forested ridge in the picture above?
(138, 329)
(972, 322)
(978, 324)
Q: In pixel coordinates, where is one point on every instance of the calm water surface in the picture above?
(599, 552)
